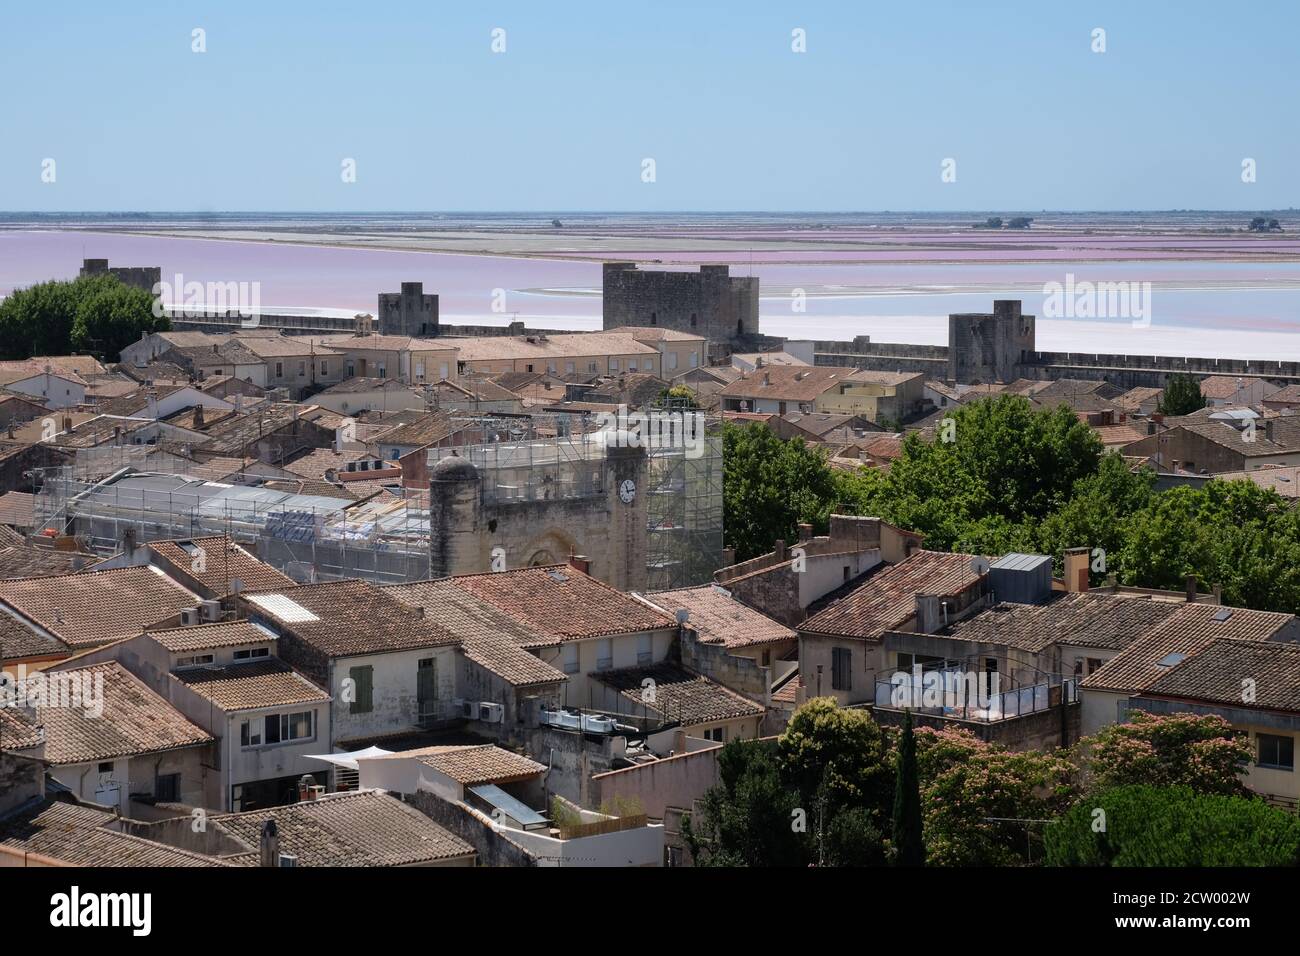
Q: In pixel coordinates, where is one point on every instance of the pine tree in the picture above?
(909, 844)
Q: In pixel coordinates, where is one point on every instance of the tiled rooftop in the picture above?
(1215, 674)
(95, 607)
(135, 721)
(79, 835)
(347, 618)
(251, 685)
(1090, 619)
(718, 618)
(223, 562)
(679, 694)
(886, 599)
(365, 828)
(563, 602)
(474, 765)
(1191, 628)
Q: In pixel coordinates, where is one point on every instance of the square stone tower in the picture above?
(409, 312)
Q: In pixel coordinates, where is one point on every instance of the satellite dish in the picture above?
(979, 565)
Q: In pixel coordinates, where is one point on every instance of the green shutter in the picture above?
(363, 681)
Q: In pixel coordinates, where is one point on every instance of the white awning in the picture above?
(349, 760)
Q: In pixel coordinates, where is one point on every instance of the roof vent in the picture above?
(1171, 660)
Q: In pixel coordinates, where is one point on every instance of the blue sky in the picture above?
(733, 119)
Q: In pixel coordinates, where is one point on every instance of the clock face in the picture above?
(627, 491)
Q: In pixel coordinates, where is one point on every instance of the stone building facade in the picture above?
(468, 522)
(409, 312)
(712, 303)
(139, 277)
(988, 347)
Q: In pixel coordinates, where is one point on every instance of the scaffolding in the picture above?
(684, 515)
(308, 537)
(562, 456)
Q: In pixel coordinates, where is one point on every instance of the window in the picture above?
(1094, 663)
(382, 371)
(106, 767)
(250, 734)
(324, 368)
(613, 365)
(198, 660)
(363, 688)
(672, 360)
(443, 370)
(591, 366)
(654, 318)
(841, 669)
(419, 371)
(279, 370)
(1276, 753)
(570, 658)
(695, 359)
(168, 788)
(604, 654)
(568, 367)
(692, 320)
(767, 658)
(249, 655)
(296, 726)
(644, 649)
(716, 733)
(846, 572)
(529, 368)
(352, 370)
(631, 365)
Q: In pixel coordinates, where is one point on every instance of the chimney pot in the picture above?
(1191, 588)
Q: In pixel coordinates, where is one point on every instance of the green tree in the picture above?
(770, 486)
(1172, 826)
(1195, 751)
(909, 843)
(1182, 395)
(92, 313)
(838, 754)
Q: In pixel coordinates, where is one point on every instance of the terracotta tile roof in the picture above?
(1091, 619)
(473, 765)
(1225, 386)
(364, 828)
(19, 642)
(347, 618)
(251, 685)
(718, 618)
(18, 509)
(1215, 674)
(787, 383)
(488, 348)
(489, 637)
(224, 562)
(78, 835)
(23, 560)
(563, 602)
(134, 721)
(785, 695)
(211, 636)
(886, 599)
(431, 427)
(288, 346)
(95, 607)
(19, 729)
(679, 694)
(1285, 481)
(1191, 628)
(22, 369)
(136, 402)
(1115, 435)
(316, 462)
(1288, 395)
(1136, 397)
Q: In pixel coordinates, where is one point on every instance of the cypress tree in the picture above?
(909, 844)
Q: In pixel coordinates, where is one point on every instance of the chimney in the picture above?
(1191, 588)
(198, 415)
(128, 541)
(1218, 594)
(1268, 429)
(767, 378)
(927, 613)
(581, 562)
(1175, 463)
(805, 532)
(270, 844)
(779, 549)
(1076, 569)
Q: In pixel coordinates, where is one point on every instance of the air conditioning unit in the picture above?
(211, 610)
(189, 616)
(491, 713)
